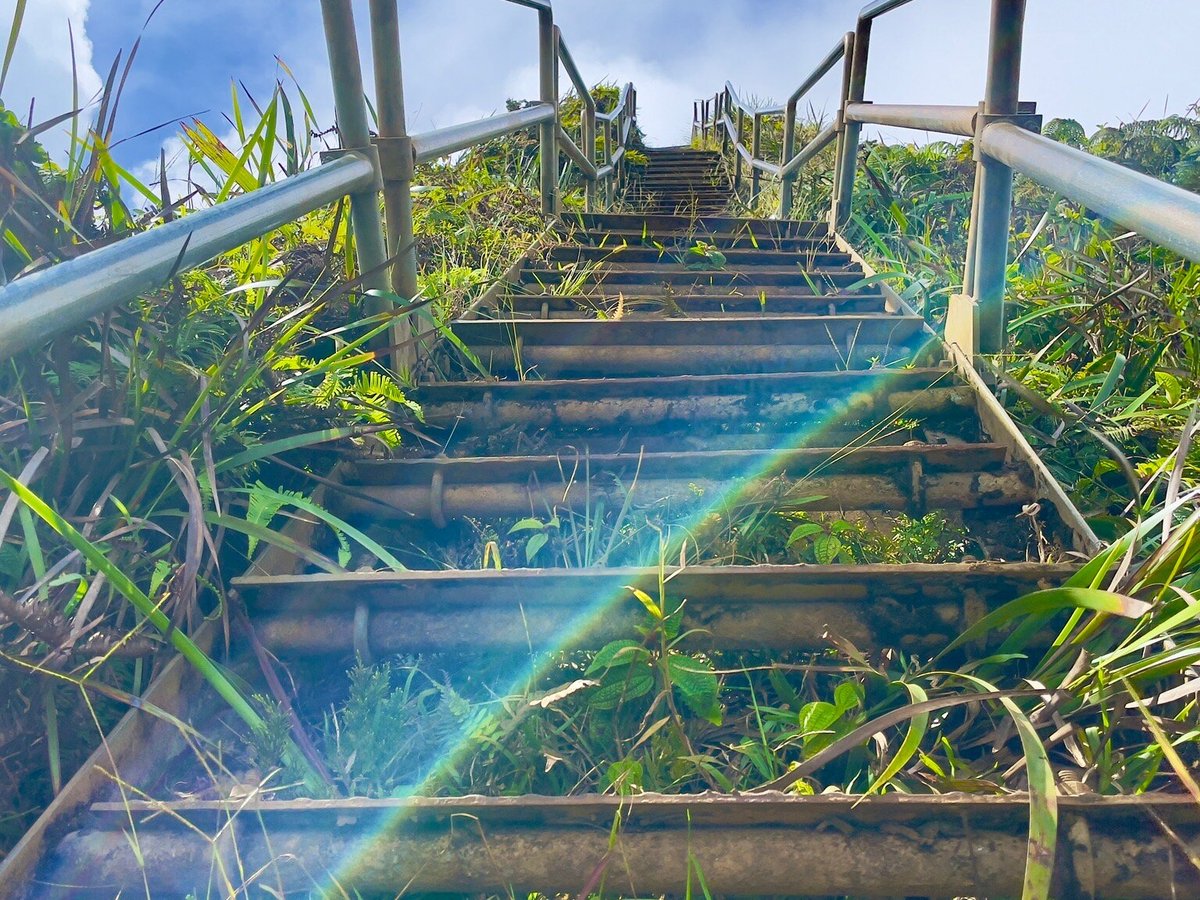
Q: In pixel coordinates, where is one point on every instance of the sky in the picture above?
(1098, 61)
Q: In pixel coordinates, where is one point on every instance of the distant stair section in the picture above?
(681, 181)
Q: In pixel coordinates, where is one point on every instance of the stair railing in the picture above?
(1007, 139)
(46, 303)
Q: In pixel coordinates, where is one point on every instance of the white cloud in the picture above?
(41, 66)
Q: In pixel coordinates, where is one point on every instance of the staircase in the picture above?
(677, 361)
(681, 181)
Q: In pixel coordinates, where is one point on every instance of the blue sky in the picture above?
(1094, 60)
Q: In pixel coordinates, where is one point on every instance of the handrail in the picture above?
(1161, 212)
(958, 120)
(1007, 140)
(874, 10)
(790, 162)
(445, 141)
(40, 305)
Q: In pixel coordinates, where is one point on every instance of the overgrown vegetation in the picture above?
(178, 433)
(151, 453)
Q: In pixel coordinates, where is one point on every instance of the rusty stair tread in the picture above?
(896, 380)
(917, 607)
(937, 457)
(757, 808)
(729, 331)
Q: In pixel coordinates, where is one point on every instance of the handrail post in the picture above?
(548, 143)
(589, 145)
(787, 183)
(396, 163)
(855, 90)
(607, 151)
(995, 179)
(755, 144)
(737, 156)
(726, 114)
(351, 112)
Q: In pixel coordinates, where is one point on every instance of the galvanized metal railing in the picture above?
(1007, 139)
(39, 306)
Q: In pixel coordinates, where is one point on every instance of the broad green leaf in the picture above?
(625, 684)
(697, 684)
(536, 543)
(826, 548)
(618, 653)
(807, 529)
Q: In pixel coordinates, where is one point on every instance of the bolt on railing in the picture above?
(38, 306)
(1007, 139)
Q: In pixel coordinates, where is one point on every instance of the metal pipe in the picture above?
(811, 149)
(433, 145)
(38, 306)
(945, 119)
(848, 155)
(755, 146)
(758, 166)
(972, 228)
(847, 66)
(785, 154)
(740, 148)
(789, 122)
(351, 112)
(576, 155)
(1161, 212)
(995, 178)
(587, 115)
(725, 122)
(397, 181)
(548, 71)
(879, 7)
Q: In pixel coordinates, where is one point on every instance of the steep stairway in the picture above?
(682, 366)
(681, 181)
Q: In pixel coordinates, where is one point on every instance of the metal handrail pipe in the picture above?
(730, 128)
(878, 8)
(540, 5)
(823, 68)
(617, 156)
(568, 63)
(616, 111)
(769, 167)
(569, 147)
(737, 101)
(443, 141)
(958, 120)
(41, 305)
(744, 153)
(605, 172)
(1165, 214)
(811, 149)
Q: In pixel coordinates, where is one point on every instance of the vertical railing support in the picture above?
(548, 76)
(855, 90)
(737, 157)
(351, 112)
(788, 182)
(396, 162)
(724, 131)
(755, 144)
(995, 180)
